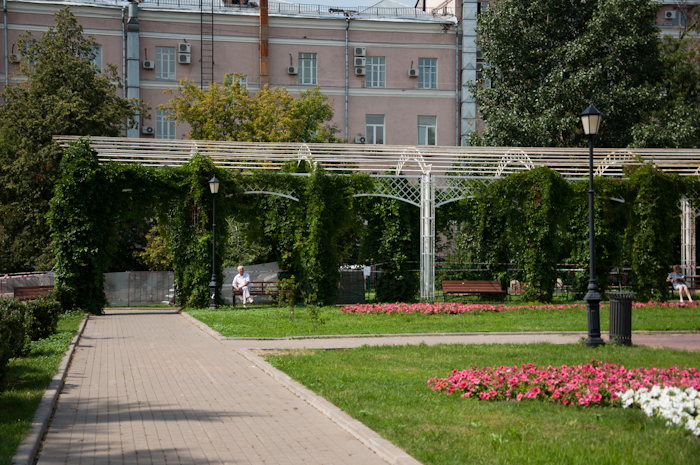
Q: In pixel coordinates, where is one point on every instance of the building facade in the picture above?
(396, 74)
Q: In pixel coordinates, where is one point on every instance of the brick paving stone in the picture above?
(148, 387)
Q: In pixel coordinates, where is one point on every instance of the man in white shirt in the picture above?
(241, 282)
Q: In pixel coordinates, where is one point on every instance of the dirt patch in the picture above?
(282, 352)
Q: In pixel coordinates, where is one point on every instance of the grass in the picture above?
(25, 383)
(385, 388)
(275, 322)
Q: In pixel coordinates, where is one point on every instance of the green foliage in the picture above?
(64, 94)
(227, 112)
(612, 218)
(392, 240)
(156, 253)
(44, 313)
(655, 221)
(521, 219)
(548, 59)
(15, 325)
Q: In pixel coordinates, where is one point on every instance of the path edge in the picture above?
(30, 444)
(372, 440)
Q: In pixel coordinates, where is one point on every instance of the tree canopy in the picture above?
(227, 112)
(548, 59)
(64, 94)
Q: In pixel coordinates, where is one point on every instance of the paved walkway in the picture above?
(152, 387)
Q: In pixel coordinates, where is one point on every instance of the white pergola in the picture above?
(424, 176)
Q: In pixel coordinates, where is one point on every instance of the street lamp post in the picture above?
(591, 123)
(214, 188)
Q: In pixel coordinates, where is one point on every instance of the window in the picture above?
(97, 61)
(427, 73)
(165, 63)
(427, 130)
(164, 129)
(374, 129)
(376, 72)
(307, 69)
(243, 80)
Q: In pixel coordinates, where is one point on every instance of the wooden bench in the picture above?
(32, 292)
(480, 288)
(258, 288)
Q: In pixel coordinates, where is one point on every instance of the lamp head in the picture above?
(214, 185)
(591, 119)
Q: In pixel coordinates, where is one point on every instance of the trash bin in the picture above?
(621, 317)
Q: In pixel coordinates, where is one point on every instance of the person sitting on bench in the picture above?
(241, 282)
(678, 280)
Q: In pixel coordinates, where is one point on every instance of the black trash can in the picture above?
(621, 317)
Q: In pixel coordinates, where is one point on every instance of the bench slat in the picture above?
(31, 292)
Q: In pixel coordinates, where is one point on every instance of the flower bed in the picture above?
(594, 383)
(453, 308)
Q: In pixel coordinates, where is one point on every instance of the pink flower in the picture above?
(519, 397)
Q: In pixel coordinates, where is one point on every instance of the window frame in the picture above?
(170, 60)
(163, 122)
(427, 73)
(376, 70)
(426, 128)
(312, 61)
(371, 128)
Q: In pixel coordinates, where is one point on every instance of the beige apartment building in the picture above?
(396, 73)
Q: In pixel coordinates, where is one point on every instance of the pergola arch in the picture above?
(447, 174)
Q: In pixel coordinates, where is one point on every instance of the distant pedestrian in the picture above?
(241, 282)
(677, 279)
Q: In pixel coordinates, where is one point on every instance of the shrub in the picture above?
(44, 313)
(15, 322)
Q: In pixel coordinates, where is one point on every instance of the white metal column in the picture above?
(427, 236)
(688, 237)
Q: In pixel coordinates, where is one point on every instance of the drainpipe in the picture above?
(347, 77)
(457, 87)
(132, 62)
(124, 58)
(264, 46)
(7, 57)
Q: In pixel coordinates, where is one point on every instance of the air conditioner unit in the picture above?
(360, 71)
(184, 58)
(150, 130)
(360, 61)
(413, 72)
(149, 64)
(184, 47)
(670, 14)
(13, 58)
(360, 140)
(292, 70)
(360, 51)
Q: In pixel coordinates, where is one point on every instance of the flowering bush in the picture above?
(681, 407)
(452, 308)
(590, 384)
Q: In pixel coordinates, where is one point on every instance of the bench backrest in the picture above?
(32, 292)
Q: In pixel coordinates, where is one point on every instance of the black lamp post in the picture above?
(591, 123)
(214, 188)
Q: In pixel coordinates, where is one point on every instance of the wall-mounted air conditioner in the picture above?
(670, 14)
(360, 61)
(150, 130)
(360, 51)
(413, 72)
(149, 64)
(360, 71)
(184, 47)
(360, 140)
(292, 70)
(184, 58)
(13, 58)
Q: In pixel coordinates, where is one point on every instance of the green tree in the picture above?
(548, 59)
(228, 112)
(64, 94)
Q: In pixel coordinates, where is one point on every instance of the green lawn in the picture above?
(385, 388)
(25, 383)
(274, 322)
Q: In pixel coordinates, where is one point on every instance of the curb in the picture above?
(380, 446)
(203, 327)
(30, 444)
